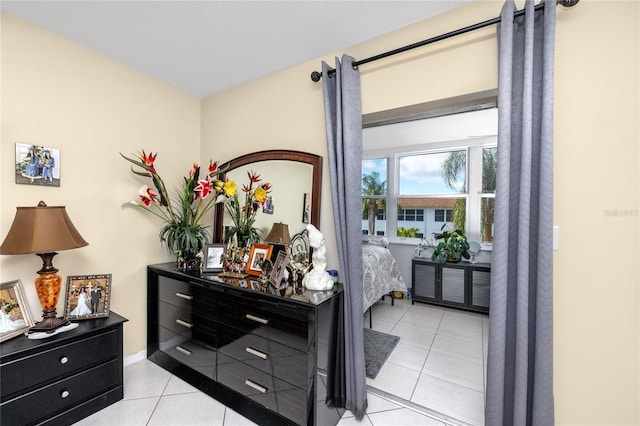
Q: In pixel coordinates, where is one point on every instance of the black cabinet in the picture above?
(462, 285)
(64, 378)
(256, 349)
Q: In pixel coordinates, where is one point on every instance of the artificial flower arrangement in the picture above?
(244, 214)
(182, 233)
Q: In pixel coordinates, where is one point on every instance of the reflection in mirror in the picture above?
(290, 181)
(292, 175)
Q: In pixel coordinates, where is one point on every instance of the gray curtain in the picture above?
(520, 359)
(347, 385)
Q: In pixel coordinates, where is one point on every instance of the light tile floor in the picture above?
(433, 377)
(440, 361)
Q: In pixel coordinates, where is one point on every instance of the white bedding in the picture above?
(381, 274)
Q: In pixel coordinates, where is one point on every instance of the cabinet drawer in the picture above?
(175, 318)
(43, 367)
(191, 352)
(276, 395)
(61, 395)
(283, 362)
(276, 322)
(175, 292)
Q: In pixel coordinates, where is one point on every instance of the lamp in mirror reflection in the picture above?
(279, 234)
(43, 231)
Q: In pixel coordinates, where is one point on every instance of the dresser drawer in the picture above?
(175, 292)
(43, 367)
(274, 394)
(283, 324)
(283, 362)
(60, 396)
(175, 318)
(192, 353)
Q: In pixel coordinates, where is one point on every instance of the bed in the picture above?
(381, 274)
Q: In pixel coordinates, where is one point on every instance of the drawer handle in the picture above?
(64, 393)
(184, 323)
(255, 386)
(183, 350)
(184, 296)
(64, 360)
(256, 353)
(257, 319)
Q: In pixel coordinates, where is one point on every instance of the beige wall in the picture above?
(57, 94)
(90, 107)
(596, 132)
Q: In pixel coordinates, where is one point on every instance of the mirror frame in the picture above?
(275, 154)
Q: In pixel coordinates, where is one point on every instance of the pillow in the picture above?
(383, 242)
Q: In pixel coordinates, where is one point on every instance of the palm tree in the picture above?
(372, 186)
(489, 163)
(452, 168)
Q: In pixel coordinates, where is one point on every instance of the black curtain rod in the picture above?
(315, 76)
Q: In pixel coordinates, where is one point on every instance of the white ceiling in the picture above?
(206, 47)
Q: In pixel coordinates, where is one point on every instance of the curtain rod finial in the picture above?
(315, 76)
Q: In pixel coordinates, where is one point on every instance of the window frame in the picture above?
(473, 183)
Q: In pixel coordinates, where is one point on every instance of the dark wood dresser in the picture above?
(251, 347)
(63, 378)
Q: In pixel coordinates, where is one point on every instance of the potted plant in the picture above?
(452, 247)
(182, 211)
(243, 214)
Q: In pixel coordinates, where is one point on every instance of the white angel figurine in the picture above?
(318, 278)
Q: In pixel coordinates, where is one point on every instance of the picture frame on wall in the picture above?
(15, 315)
(268, 205)
(213, 257)
(37, 165)
(258, 254)
(306, 208)
(87, 296)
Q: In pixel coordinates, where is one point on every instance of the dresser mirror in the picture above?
(296, 179)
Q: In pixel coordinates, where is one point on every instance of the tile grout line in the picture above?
(425, 411)
(422, 409)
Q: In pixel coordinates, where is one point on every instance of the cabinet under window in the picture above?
(461, 285)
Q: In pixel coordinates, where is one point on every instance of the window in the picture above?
(437, 175)
(442, 215)
(374, 196)
(410, 214)
(488, 197)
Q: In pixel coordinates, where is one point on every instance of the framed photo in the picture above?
(268, 205)
(258, 254)
(254, 284)
(88, 296)
(213, 257)
(15, 316)
(37, 165)
(279, 267)
(306, 208)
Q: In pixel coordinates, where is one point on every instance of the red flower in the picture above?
(254, 178)
(213, 167)
(194, 169)
(148, 160)
(147, 196)
(266, 186)
(246, 188)
(204, 188)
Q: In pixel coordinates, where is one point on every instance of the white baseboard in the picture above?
(133, 358)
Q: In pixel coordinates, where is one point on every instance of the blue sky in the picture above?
(419, 174)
